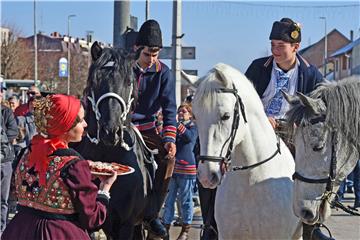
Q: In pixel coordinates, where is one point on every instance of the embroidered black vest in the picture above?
(54, 197)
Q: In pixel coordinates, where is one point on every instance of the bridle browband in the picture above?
(235, 125)
(125, 111)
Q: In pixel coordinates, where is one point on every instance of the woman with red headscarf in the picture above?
(56, 196)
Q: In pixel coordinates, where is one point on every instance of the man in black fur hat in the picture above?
(285, 70)
(156, 91)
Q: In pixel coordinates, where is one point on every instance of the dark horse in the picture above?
(110, 91)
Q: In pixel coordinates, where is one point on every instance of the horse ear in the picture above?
(96, 51)
(291, 99)
(317, 106)
(135, 53)
(219, 70)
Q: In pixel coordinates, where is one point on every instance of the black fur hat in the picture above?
(149, 34)
(286, 30)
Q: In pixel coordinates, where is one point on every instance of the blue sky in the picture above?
(233, 32)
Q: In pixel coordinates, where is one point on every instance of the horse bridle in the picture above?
(330, 180)
(332, 172)
(235, 125)
(95, 107)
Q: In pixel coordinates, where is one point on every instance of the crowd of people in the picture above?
(35, 137)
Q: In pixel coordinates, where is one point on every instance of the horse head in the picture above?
(219, 113)
(325, 153)
(110, 93)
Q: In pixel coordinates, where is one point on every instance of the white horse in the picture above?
(327, 140)
(254, 202)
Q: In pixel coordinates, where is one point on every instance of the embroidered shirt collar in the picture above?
(156, 67)
(289, 72)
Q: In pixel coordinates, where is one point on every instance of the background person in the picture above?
(355, 175)
(24, 108)
(9, 132)
(13, 102)
(183, 181)
(27, 128)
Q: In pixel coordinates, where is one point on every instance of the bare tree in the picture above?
(79, 74)
(12, 55)
(17, 62)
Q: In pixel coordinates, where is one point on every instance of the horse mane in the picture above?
(205, 93)
(223, 75)
(343, 107)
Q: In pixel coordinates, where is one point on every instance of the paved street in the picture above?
(342, 225)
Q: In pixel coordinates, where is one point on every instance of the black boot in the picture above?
(208, 233)
(156, 227)
(167, 226)
(313, 232)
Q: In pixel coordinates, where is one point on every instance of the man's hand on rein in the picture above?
(171, 149)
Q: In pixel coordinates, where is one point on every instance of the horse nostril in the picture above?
(106, 130)
(109, 130)
(214, 178)
(307, 214)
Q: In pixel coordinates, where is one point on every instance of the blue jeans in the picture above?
(356, 179)
(183, 189)
(356, 184)
(6, 172)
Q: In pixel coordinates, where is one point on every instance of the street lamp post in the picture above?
(325, 48)
(68, 51)
(147, 10)
(35, 47)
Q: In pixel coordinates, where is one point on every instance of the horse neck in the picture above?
(259, 141)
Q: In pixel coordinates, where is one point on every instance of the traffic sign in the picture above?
(186, 53)
(63, 67)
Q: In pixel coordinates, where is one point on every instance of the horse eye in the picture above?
(318, 148)
(225, 117)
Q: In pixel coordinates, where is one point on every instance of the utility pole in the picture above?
(68, 52)
(121, 22)
(35, 47)
(147, 10)
(176, 48)
(89, 40)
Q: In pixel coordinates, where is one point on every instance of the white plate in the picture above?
(109, 174)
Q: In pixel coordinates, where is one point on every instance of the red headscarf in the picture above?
(54, 116)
